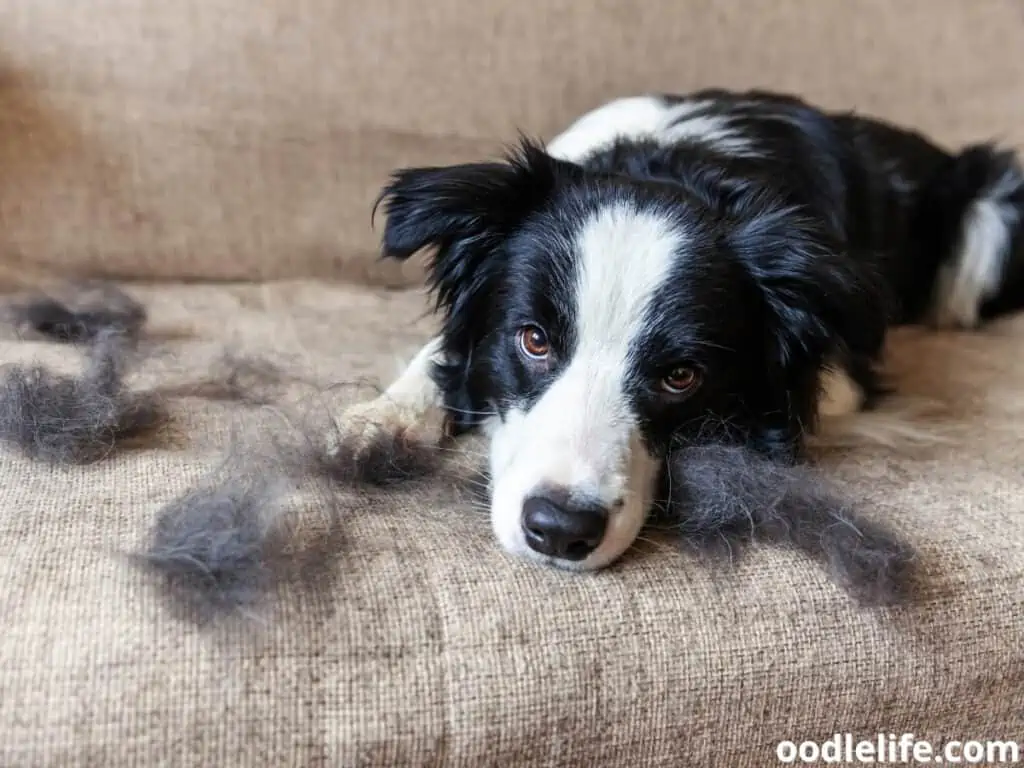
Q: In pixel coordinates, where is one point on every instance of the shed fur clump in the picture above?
(720, 493)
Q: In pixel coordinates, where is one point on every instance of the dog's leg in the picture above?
(840, 394)
(409, 410)
(848, 417)
(850, 387)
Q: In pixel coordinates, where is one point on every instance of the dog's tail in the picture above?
(980, 195)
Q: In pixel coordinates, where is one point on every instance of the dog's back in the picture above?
(944, 230)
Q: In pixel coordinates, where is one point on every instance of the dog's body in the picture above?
(677, 269)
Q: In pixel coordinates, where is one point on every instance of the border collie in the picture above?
(675, 269)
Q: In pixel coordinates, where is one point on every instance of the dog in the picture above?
(673, 269)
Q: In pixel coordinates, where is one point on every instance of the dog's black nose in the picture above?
(558, 527)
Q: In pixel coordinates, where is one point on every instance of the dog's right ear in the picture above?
(465, 212)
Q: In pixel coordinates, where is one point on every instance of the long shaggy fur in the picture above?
(385, 460)
(220, 547)
(75, 419)
(210, 544)
(721, 494)
(719, 498)
(79, 419)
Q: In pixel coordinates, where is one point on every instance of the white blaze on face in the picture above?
(582, 434)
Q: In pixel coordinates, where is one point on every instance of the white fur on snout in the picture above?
(583, 433)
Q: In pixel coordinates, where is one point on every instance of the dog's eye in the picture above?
(680, 380)
(534, 342)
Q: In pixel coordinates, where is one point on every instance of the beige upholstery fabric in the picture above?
(248, 138)
(228, 140)
(431, 647)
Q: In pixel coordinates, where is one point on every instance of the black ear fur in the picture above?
(465, 212)
(820, 303)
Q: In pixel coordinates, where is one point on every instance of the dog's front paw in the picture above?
(840, 394)
(384, 441)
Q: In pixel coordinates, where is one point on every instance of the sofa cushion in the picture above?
(247, 139)
(427, 645)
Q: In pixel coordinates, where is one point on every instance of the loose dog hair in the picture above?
(76, 419)
(221, 546)
(720, 497)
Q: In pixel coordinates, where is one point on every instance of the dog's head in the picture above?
(592, 321)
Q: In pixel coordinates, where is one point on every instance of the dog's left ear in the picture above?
(819, 303)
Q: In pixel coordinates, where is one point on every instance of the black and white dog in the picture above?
(672, 269)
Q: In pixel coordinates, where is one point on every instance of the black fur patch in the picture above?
(75, 419)
(223, 546)
(385, 460)
(210, 545)
(729, 495)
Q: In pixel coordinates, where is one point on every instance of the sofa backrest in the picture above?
(247, 139)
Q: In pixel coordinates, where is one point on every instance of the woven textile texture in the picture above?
(429, 646)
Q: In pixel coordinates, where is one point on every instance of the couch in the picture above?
(219, 160)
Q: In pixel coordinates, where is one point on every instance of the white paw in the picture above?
(840, 396)
(364, 427)
(958, 298)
